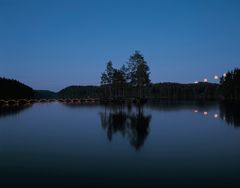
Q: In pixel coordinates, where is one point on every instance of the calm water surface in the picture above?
(166, 144)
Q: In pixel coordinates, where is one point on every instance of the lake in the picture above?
(168, 144)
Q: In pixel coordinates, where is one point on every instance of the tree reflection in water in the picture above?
(230, 112)
(12, 110)
(130, 122)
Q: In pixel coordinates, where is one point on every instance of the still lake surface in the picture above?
(168, 144)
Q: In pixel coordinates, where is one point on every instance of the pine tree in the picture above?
(138, 72)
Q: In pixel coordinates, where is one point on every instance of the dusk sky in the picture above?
(51, 44)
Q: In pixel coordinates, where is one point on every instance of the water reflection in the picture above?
(226, 111)
(175, 105)
(133, 123)
(12, 110)
(230, 112)
(130, 122)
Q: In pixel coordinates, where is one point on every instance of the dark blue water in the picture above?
(166, 144)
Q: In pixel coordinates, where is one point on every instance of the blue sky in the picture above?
(50, 44)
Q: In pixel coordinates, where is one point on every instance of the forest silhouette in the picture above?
(131, 81)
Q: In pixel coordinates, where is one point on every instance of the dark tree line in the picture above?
(13, 89)
(132, 81)
(118, 90)
(230, 85)
(79, 92)
(200, 91)
(128, 81)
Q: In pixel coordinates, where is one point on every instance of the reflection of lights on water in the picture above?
(205, 80)
(205, 113)
(216, 77)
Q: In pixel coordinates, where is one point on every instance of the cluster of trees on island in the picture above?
(128, 81)
(132, 80)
